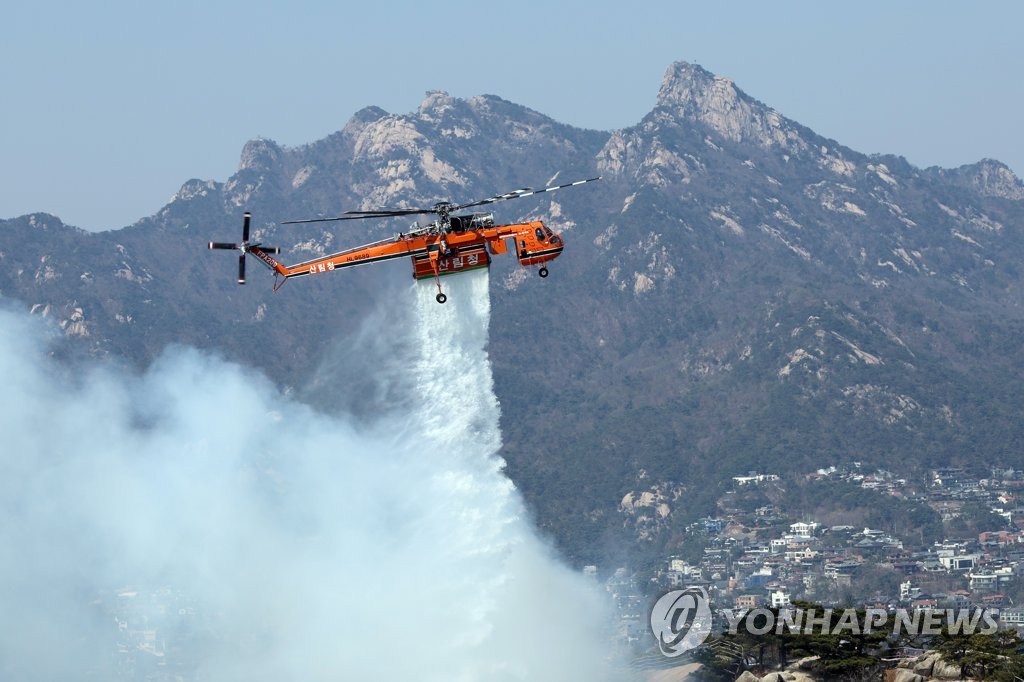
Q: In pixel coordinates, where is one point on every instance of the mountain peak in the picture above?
(360, 120)
(260, 153)
(369, 114)
(684, 82)
(436, 105)
(44, 222)
(696, 92)
(436, 99)
(987, 177)
(690, 92)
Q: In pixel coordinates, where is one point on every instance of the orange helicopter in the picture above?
(450, 244)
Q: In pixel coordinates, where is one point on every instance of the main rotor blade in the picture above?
(520, 193)
(269, 249)
(391, 212)
(497, 197)
(451, 208)
(245, 227)
(241, 269)
(223, 245)
(359, 216)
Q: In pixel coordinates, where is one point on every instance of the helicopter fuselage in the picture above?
(436, 252)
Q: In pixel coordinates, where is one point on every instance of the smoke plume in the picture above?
(193, 521)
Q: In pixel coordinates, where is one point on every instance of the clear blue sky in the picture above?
(107, 107)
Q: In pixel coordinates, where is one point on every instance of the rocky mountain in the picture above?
(738, 293)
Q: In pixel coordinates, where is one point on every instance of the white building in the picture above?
(961, 562)
(802, 529)
(1012, 616)
(779, 599)
(754, 478)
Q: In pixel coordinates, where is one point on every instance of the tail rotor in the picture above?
(244, 247)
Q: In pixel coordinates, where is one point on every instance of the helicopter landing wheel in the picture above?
(543, 272)
(441, 298)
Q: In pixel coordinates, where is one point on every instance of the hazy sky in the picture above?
(109, 106)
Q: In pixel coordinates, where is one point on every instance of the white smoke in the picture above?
(193, 521)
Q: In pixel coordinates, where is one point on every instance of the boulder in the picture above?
(946, 671)
(926, 663)
(801, 677)
(905, 675)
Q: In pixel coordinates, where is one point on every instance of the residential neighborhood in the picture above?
(762, 558)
